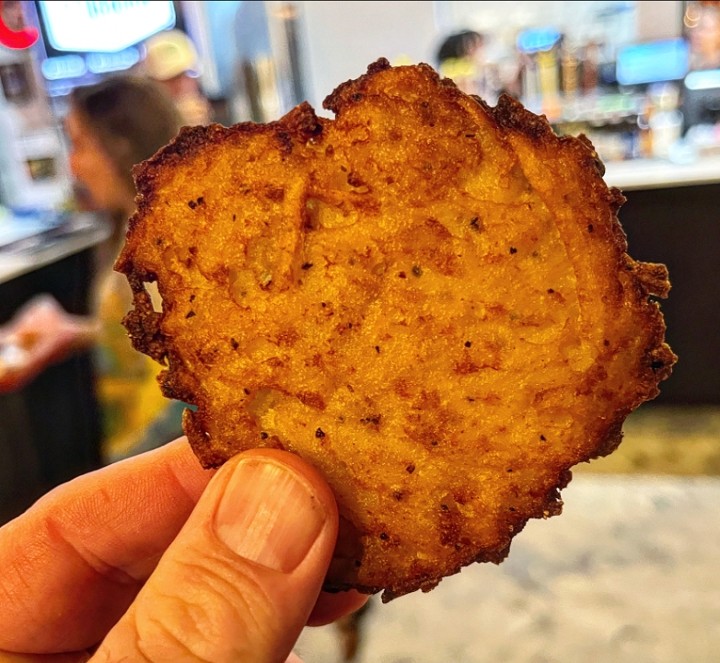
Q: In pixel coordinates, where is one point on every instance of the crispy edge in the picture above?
(142, 322)
(648, 279)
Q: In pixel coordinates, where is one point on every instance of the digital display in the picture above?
(103, 26)
(83, 41)
(654, 62)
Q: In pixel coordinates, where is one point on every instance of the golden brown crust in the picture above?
(427, 298)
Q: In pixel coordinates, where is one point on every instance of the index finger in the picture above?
(73, 563)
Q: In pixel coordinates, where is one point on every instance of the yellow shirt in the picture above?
(129, 394)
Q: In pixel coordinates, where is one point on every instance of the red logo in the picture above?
(24, 37)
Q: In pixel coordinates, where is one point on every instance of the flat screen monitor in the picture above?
(653, 62)
(81, 41)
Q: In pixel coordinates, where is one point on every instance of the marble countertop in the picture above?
(627, 574)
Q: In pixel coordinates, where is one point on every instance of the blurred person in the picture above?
(111, 126)
(172, 61)
(157, 559)
(460, 57)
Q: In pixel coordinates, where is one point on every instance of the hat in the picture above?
(169, 54)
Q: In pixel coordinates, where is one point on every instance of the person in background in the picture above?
(111, 126)
(172, 61)
(460, 57)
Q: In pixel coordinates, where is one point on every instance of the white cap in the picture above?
(169, 54)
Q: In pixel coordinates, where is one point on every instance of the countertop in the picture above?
(661, 173)
(627, 574)
(31, 242)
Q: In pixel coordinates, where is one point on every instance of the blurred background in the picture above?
(640, 79)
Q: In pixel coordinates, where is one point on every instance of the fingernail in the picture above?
(269, 515)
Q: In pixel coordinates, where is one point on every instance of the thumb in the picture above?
(241, 578)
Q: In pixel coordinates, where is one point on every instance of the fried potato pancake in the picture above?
(427, 298)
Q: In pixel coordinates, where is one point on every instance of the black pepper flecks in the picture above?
(306, 265)
(319, 433)
(234, 343)
(264, 435)
(513, 250)
(417, 270)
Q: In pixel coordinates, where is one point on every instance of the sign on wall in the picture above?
(106, 26)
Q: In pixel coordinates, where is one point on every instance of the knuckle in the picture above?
(205, 613)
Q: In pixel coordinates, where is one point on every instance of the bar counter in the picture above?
(646, 174)
(627, 574)
(50, 430)
(672, 217)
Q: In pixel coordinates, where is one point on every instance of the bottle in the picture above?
(569, 69)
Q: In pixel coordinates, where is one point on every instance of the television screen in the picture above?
(81, 41)
(653, 62)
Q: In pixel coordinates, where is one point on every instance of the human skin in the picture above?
(155, 559)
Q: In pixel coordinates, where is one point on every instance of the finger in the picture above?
(330, 607)
(79, 657)
(242, 577)
(74, 562)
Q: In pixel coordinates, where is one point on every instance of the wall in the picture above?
(659, 20)
(343, 38)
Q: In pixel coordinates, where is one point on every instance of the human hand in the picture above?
(151, 559)
(41, 333)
